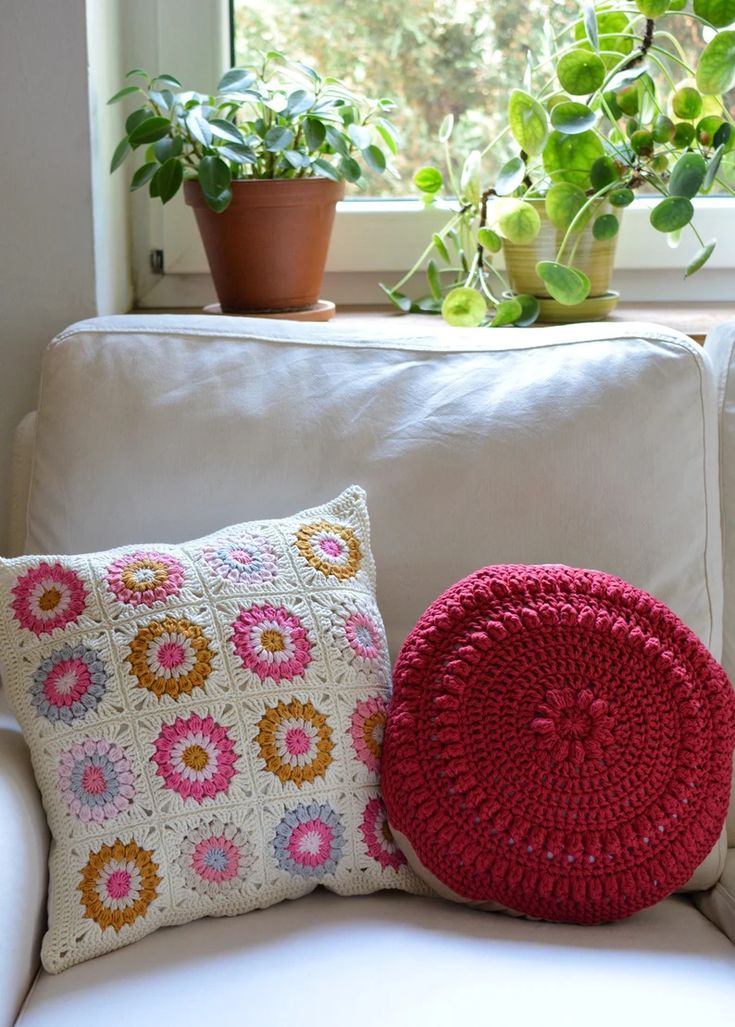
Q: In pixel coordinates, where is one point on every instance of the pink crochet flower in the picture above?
(195, 757)
(363, 636)
(573, 725)
(48, 597)
(271, 642)
(145, 577)
(96, 780)
(367, 726)
(379, 840)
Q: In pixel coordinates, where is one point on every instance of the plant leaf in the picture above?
(571, 117)
(428, 179)
(580, 72)
(150, 130)
(687, 175)
(125, 91)
(440, 247)
(563, 202)
(278, 138)
(398, 299)
(719, 13)
(314, 133)
(445, 129)
(350, 169)
(570, 158)
(235, 80)
(169, 146)
(374, 158)
(527, 121)
(168, 178)
(325, 169)
(716, 68)
(299, 102)
(510, 176)
(700, 258)
(489, 240)
(337, 141)
(432, 275)
(226, 130)
(652, 8)
(590, 26)
(605, 227)
(712, 168)
(169, 80)
(143, 175)
(566, 285)
(464, 308)
(360, 135)
(507, 312)
(215, 179)
(517, 221)
(198, 126)
(672, 213)
(121, 151)
(388, 134)
(530, 310)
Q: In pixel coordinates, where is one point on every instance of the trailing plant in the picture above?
(612, 107)
(275, 119)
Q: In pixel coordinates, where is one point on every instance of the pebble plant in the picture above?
(613, 106)
(275, 119)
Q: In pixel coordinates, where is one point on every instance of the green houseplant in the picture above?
(263, 162)
(614, 106)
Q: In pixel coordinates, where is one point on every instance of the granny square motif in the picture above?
(205, 723)
(559, 743)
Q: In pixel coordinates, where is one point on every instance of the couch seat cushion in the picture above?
(393, 959)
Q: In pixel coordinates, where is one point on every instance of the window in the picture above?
(434, 57)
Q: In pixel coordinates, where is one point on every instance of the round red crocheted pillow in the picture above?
(558, 742)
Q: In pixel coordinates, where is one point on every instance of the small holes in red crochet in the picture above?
(558, 742)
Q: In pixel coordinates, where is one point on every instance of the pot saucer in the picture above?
(322, 310)
(594, 308)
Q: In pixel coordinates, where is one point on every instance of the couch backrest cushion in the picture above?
(720, 347)
(590, 445)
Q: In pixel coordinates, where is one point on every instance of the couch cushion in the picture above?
(205, 723)
(590, 445)
(720, 347)
(400, 960)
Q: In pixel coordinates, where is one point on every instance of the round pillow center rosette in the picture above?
(558, 743)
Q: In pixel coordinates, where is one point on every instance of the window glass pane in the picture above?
(433, 57)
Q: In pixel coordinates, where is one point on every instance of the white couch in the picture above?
(594, 445)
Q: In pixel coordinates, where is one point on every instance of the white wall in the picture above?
(50, 272)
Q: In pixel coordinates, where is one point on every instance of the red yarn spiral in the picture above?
(559, 742)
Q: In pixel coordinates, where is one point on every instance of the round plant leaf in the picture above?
(641, 142)
(428, 180)
(569, 158)
(707, 129)
(517, 221)
(719, 13)
(469, 179)
(605, 227)
(507, 312)
(663, 129)
(652, 8)
(567, 285)
(687, 103)
(489, 240)
(571, 117)
(527, 120)
(530, 310)
(621, 197)
(511, 175)
(723, 135)
(687, 175)
(563, 202)
(716, 68)
(700, 258)
(612, 32)
(580, 72)
(464, 308)
(445, 129)
(683, 135)
(603, 172)
(672, 213)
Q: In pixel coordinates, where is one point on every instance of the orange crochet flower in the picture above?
(170, 657)
(330, 548)
(295, 742)
(118, 884)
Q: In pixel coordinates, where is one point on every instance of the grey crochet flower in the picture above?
(309, 840)
(69, 683)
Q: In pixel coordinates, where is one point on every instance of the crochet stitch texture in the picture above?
(205, 723)
(558, 742)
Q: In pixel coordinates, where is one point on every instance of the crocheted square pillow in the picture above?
(205, 723)
(559, 745)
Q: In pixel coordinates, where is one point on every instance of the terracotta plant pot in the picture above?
(591, 256)
(268, 248)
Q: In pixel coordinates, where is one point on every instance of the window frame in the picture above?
(374, 240)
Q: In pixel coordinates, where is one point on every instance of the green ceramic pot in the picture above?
(593, 257)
